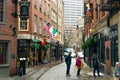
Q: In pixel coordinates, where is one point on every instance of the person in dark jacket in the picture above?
(68, 63)
(95, 65)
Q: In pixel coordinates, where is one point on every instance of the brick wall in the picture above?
(6, 34)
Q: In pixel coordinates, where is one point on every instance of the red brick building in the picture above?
(95, 22)
(8, 38)
(40, 12)
(32, 28)
(101, 23)
(18, 31)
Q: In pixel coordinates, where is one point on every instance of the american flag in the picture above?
(47, 27)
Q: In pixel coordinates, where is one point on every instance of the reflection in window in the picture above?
(35, 23)
(1, 10)
(23, 24)
(40, 28)
(3, 52)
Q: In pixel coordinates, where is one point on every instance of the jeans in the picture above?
(78, 71)
(96, 69)
(68, 69)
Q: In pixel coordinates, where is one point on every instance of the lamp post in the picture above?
(35, 49)
(118, 36)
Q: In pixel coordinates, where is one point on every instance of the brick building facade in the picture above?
(8, 38)
(40, 12)
(16, 33)
(101, 23)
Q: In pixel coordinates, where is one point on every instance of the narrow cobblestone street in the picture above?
(58, 73)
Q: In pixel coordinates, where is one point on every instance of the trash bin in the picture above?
(22, 68)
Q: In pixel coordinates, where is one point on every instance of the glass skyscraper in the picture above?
(73, 9)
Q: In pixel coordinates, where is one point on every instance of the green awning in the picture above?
(36, 40)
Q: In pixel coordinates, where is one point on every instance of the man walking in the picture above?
(68, 63)
(95, 65)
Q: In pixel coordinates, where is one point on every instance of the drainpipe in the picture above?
(119, 36)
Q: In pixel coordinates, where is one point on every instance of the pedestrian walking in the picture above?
(68, 63)
(96, 65)
(79, 65)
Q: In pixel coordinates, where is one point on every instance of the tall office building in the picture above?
(73, 9)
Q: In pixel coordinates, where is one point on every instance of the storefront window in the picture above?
(23, 48)
(114, 51)
(3, 52)
(102, 49)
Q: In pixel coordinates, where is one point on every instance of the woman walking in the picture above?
(79, 65)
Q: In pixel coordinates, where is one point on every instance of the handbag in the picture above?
(81, 66)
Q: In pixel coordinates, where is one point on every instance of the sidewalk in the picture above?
(87, 74)
(32, 70)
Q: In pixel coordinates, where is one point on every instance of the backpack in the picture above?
(78, 62)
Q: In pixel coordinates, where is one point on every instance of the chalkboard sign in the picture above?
(117, 70)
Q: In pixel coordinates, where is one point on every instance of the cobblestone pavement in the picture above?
(32, 73)
(50, 72)
(58, 73)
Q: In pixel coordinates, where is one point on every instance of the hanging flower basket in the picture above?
(34, 45)
(45, 47)
(89, 41)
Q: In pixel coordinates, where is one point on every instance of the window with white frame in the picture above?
(44, 29)
(59, 21)
(35, 23)
(40, 26)
(59, 6)
(23, 25)
(54, 16)
(2, 11)
(40, 5)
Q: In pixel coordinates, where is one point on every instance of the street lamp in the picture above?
(35, 49)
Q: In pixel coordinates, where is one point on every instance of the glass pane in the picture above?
(1, 10)
(23, 25)
(2, 54)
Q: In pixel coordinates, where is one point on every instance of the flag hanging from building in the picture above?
(51, 30)
(47, 27)
(55, 34)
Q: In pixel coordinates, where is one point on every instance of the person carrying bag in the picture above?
(79, 65)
